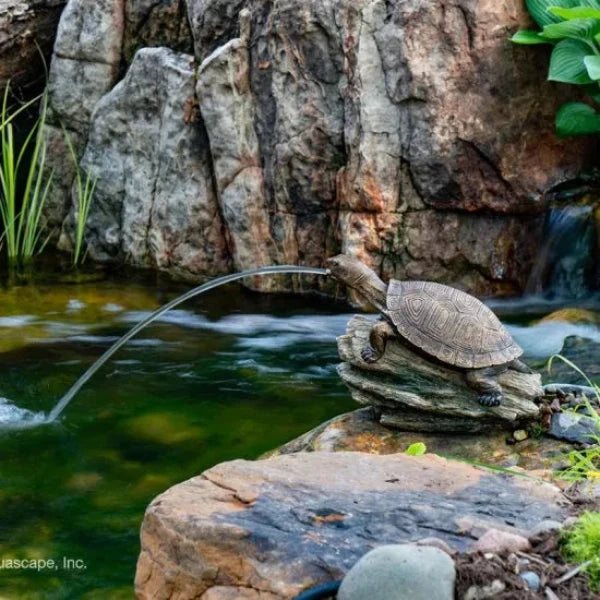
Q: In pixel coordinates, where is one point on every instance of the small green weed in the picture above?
(416, 449)
(583, 464)
(581, 544)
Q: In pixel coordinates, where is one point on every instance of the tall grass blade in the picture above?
(85, 189)
(21, 209)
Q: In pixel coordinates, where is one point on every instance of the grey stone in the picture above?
(411, 393)
(91, 31)
(574, 428)
(152, 24)
(400, 572)
(154, 201)
(543, 528)
(532, 580)
(73, 104)
(84, 67)
(227, 107)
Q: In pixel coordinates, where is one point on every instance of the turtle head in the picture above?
(356, 275)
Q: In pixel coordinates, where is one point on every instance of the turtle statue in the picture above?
(438, 321)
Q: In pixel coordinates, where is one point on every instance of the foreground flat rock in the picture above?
(271, 528)
(414, 394)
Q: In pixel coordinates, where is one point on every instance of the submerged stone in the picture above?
(162, 428)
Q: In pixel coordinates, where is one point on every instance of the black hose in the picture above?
(320, 592)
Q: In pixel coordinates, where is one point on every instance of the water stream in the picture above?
(564, 265)
(215, 283)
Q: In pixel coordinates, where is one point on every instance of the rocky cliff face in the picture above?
(409, 133)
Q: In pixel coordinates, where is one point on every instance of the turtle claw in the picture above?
(369, 355)
(490, 399)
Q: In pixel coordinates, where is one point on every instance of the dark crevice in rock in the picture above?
(213, 180)
(468, 24)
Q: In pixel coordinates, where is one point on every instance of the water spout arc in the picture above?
(214, 283)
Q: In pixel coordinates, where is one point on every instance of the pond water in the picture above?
(229, 375)
(232, 374)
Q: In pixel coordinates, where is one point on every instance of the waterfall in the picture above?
(564, 268)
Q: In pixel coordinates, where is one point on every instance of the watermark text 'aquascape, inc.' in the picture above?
(65, 563)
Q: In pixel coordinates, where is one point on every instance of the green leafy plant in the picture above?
(85, 188)
(581, 544)
(21, 205)
(583, 464)
(416, 449)
(573, 28)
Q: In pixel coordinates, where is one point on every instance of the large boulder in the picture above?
(158, 206)
(84, 67)
(411, 134)
(272, 528)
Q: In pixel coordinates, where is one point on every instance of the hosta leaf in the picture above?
(538, 9)
(528, 37)
(566, 62)
(579, 12)
(577, 29)
(592, 64)
(576, 118)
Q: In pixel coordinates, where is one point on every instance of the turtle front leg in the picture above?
(484, 382)
(380, 333)
(519, 366)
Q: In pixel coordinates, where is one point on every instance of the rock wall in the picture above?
(409, 133)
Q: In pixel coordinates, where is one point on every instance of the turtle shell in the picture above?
(449, 324)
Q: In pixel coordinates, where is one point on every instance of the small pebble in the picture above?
(483, 592)
(542, 528)
(520, 435)
(532, 580)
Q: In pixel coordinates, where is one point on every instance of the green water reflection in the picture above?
(229, 376)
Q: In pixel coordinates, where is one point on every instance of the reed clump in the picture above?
(24, 182)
